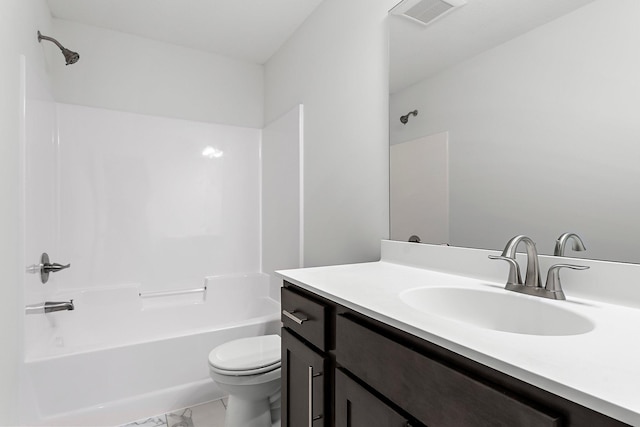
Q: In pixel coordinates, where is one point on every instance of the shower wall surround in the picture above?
(282, 198)
(140, 204)
(155, 202)
(39, 188)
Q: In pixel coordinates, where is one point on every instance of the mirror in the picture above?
(530, 110)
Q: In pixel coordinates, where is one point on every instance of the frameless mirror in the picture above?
(527, 123)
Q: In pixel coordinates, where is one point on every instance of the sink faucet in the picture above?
(578, 245)
(532, 278)
(532, 284)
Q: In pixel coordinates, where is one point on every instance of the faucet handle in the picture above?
(553, 278)
(514, 269)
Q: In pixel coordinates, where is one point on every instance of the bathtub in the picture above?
(123, 354)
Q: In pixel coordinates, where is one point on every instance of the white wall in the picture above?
(543, 133)
(336, 64)
(123, 72)
(19, 23)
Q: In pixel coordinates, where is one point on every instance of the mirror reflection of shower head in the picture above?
(404, 119)
(70, 56)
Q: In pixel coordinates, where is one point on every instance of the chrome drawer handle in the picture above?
(295, 318)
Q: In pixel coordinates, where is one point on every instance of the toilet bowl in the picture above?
(248, 370)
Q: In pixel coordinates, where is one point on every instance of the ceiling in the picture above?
(418, 51)
(247, 30)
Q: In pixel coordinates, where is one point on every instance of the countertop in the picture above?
(599, 369)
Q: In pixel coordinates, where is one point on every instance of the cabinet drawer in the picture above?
(306, 317)
(437, 395)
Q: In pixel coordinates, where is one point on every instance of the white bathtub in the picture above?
(119, 357)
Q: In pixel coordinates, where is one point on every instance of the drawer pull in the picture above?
(310, 392)
(295, 318)
(312, 375)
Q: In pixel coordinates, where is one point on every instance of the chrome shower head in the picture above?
(70, 56)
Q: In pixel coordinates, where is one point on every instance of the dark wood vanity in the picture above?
(342, 368)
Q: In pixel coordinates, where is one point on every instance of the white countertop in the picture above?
(599, 369)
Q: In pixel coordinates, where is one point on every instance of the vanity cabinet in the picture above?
(305, 364)
(374, 375)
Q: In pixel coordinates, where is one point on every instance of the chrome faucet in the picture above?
(532, 279)
(532, 284)
(49, 307)
(553, 288)
(578, 244)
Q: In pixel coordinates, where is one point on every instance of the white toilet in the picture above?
(248, 369)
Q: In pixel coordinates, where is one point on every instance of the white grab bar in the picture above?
(176, 292)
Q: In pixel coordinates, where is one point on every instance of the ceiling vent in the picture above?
(426, 11)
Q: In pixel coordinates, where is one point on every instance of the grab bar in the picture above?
(170, 293)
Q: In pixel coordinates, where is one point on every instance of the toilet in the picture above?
(248, 370)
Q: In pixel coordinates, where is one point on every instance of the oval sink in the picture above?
(500, 311)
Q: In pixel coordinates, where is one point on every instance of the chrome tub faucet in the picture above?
(49, 307)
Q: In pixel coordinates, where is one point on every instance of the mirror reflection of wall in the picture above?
(544, 134)
(419, 189)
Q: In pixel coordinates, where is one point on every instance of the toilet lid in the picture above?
(246, 354)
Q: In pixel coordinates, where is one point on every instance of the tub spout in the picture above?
(49, 307)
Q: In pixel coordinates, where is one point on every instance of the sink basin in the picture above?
(499, 311)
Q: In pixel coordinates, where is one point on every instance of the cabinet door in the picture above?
(356, 407)
(303, 384)
(433, 393)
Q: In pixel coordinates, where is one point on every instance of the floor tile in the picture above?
(160, 421)
(183, 418)
(206, 415)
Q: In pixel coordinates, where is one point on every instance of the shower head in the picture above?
(404, 119)
(70, 56)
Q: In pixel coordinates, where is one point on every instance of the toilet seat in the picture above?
(246, 356)
(247, 372)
